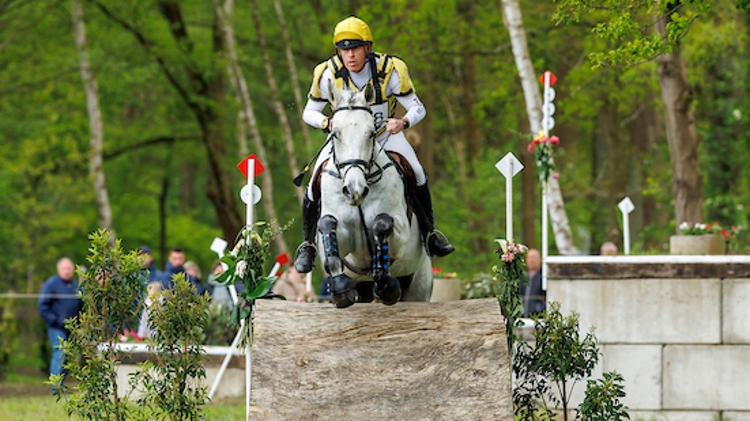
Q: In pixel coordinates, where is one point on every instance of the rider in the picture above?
(353, 67)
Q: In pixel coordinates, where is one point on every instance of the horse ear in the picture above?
(335, 93)
(369, 94)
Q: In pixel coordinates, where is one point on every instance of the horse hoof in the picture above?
(343, 292)
(364, 292)
(390, 294)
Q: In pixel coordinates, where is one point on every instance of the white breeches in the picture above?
(396, 143)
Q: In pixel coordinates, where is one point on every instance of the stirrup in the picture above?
(303, 249)
(446, 247)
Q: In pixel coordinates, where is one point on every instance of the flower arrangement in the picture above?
(690, 228)
(541, 147)
(245, 264)
(509, 277)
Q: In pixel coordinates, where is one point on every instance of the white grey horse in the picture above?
(371, 243)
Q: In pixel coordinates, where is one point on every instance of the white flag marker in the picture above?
(626, 206)
(509, 166)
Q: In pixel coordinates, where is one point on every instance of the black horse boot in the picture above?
(437, 244)
(307, 250)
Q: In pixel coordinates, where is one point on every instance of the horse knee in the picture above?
(383, 226)
(327, 224)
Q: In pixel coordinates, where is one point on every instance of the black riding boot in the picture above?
(437, 244)
(306, 251)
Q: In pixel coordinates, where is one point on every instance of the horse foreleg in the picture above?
(386, 288)
(343, 293)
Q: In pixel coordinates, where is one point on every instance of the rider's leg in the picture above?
(307, 250)
(310, 214)
(437, 244)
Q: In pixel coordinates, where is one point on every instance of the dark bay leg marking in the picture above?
(386, 288)
(343, 293)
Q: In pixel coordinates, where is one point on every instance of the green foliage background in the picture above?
(46, 198)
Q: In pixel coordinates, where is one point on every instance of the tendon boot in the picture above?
(437, 244)
(307, 250)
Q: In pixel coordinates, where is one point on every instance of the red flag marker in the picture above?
(282, 259)
(243, 165)
(552, 78)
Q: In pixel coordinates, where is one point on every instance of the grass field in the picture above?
(28, 398)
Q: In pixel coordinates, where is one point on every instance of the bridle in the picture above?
(365, 166)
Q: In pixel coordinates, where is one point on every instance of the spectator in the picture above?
(175, 264)
(608, 249)
(293, 286)
(154, 274)
(154, 288)
(533, 296)
(57, 303)
(194, 271)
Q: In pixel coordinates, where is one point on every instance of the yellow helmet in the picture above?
(351, 32)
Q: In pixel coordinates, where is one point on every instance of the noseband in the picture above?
(366, 166)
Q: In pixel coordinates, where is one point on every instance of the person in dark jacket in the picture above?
(154, 274)
(533, 296)
(57, 303)
(176, 264)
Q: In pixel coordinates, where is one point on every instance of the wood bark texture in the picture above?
(410, 361)
(96, 143)
(687, 183)
(237, 75)
(514, 23)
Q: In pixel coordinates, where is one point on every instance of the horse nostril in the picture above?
(346, 192)
(365, 191)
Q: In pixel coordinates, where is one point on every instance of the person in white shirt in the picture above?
(353, 68)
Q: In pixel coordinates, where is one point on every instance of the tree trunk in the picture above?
(514, 23)
(96, 167)
(249, 115)
(278, 106)
(298, 98)
(687, 183)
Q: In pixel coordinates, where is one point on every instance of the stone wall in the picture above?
(676, 327)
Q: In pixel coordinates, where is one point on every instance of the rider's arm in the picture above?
(318, 98)
(415, 110)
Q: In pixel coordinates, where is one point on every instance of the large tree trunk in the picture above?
(96, 168)
(298, 99)
(687, 183)
(249, 115)
(278, 106)
(514, 23)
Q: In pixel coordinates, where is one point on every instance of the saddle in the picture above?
(404, 169)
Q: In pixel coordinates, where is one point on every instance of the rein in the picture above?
(366, 166)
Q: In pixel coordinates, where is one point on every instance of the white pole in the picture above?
(545, 223)
(250, 205)
(509, 202)
(225, 363)
(626, 232)
(545, 239)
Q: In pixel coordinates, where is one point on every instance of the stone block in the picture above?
(640, 367)
(644, 310)
(736, 311)
(674, 416)
(707, 377)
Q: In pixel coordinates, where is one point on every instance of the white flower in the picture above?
(503, 245)
(239, 270)
(684, 225)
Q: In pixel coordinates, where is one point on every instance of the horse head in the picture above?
(353, 135)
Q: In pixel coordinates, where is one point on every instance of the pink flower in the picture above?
(508, 257)
(530, 148)
(554, 140)
(556, 175)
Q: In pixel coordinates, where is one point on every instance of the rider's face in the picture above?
(355, 58)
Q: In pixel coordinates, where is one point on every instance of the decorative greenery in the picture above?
(559, 357)
(171, 383)
(245, 264)
(602, 401)
(8, 334)
(510, 275)
(112, 291)
(541, 147)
